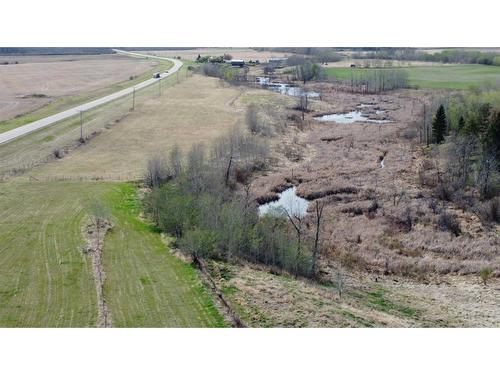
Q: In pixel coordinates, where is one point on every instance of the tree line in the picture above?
(457, 56)
(469, 125)
(377, 80)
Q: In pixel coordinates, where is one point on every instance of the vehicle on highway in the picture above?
(156, 75)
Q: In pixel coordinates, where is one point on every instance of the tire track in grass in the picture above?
(47, 281)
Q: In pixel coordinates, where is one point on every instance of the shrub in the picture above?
(434, 206)
(199, 243)
(449, 222)
(58, 153)
(410, 133)
(157, 171)
(407, 219)
(374, 206)
(489, 211)
(256, 125)
(485, 274)
(171, 209)
(444, 191)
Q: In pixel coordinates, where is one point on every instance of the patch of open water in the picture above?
(288, 201)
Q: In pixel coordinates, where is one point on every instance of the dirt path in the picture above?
(95, 243)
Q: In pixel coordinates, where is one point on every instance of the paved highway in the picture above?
(44, 122)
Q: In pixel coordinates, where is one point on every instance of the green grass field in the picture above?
(46, 281)
(146, 285)
(458, 77)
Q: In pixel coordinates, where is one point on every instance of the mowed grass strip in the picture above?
(458, 77)
(45, 280)
(147, 286)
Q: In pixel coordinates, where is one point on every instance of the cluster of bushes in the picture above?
(225, 71)
(196, 199)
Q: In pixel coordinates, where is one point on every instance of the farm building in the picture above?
(237, 62)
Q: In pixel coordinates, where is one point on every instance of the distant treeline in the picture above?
(55, 50)
(457, 56)
(317, 54)
(156, 48)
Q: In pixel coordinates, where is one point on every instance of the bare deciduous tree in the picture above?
(157, 171)
(318, 209)
(175, 160)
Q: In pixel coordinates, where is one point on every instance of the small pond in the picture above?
(285, 89)
(289, 201)
(348, 118)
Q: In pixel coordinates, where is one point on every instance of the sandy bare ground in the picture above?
(37, 81)
(236, 53)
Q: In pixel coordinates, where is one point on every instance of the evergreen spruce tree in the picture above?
(461, 123)
(439, 125)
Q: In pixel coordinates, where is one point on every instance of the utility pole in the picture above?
(133, 99)
(81, 126)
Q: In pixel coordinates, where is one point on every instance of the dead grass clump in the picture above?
(270, 197)
(400, 224)
(294, 117)
(293, 152)
(331, 139)
(356, 211)
(281, 187)
(323, 193)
